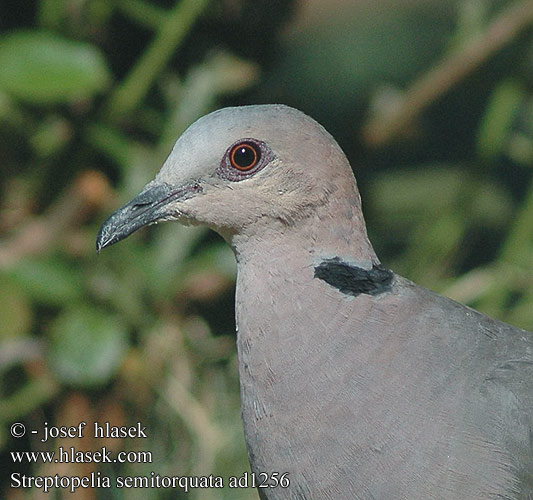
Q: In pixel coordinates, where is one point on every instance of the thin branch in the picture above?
(454, 68)
(207, 435)
(146, 14)
(176, 24)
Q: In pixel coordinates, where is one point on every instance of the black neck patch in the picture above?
(353, 280)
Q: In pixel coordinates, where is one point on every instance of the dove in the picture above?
(355, 382)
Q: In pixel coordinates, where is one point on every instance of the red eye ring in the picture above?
(244, 156)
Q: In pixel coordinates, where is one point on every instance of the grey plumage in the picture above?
(355, 381)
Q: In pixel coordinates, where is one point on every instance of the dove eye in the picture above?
(244, 156)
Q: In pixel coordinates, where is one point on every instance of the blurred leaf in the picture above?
(87, 346)
(518, 247)
(122, 278)
(14, 115)
(15, 311)
(215, 258)
(51, 136)
(333, 63)
(522, 314)
(496, 125)
(109, 141)
(431, 247)
(472, 19)
(43, 68)
(430, 189)
(173, 244)
(175, 24)
(144, 13)
(30, 396)
(521, 149)
(51, 13)
(492, 205)
(427, 211)
(49, 281)
(405, 196)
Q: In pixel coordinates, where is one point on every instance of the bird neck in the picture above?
(335, 229)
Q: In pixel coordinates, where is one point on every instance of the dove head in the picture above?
(247, 171)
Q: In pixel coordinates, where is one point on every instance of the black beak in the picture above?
(150, 206)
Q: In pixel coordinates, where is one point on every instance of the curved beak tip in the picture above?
(150, 206)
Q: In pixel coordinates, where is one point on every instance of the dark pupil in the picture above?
(244, 156)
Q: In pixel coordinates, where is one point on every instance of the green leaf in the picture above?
(15, 310)
(49, 281)
(86, 346)
(494, 131)
(397, 194)
(216, 258)
(43, 68)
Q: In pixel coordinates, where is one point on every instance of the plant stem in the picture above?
(175, 25)
(384, 127)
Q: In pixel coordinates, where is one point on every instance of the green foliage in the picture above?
(503, 107)
(92, 97)
(49, 281)
(86, 346)
(43, 68)
(15, 311)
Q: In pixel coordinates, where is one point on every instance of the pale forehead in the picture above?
(266, 122)
(199, 150)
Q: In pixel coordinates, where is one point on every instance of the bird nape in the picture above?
(355, 382)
